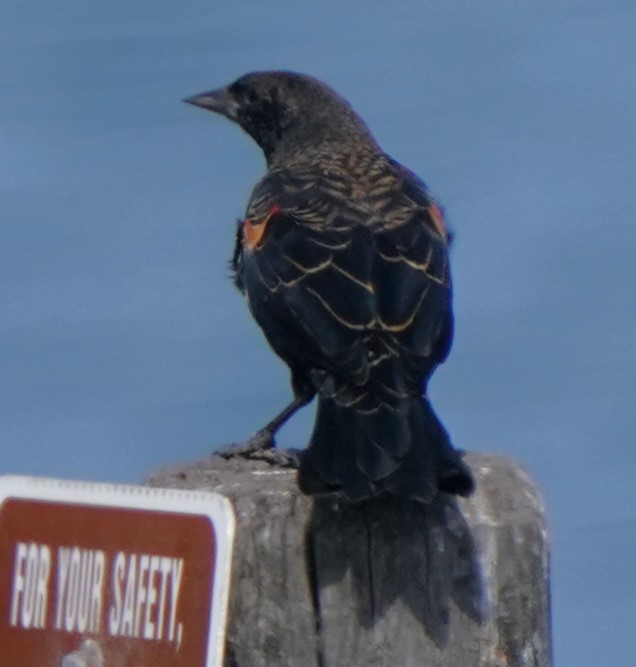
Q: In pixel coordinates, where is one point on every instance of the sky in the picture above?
(124, 346)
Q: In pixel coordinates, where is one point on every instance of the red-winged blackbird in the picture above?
(343, 258)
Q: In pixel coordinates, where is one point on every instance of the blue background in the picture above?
(124, 346)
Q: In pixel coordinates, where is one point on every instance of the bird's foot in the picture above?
(261, 441)
(283, 458)
(261, 447)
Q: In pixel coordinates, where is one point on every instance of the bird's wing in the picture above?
(412, 279)
(312, 304)
(335, 293)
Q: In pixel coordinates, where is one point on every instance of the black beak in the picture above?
(219, 101)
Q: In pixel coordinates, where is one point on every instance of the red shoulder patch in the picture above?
(254, 230)
(437, 217)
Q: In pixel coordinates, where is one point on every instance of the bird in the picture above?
(343, 257)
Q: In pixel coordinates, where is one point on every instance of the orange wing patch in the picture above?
(254, 231)
(437, 218)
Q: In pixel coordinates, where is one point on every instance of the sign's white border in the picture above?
(215, 507)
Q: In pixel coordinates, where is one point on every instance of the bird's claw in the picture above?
(283, 458)
(261, 441)
(261, 447)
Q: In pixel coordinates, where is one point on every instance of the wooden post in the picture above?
(459, 583)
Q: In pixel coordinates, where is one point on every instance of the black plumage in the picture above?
(343, 258)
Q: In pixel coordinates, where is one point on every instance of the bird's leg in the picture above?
(262, 444)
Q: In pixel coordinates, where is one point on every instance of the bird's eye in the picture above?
(241, 91)
(244, 93)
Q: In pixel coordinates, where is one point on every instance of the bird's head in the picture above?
(285, 111)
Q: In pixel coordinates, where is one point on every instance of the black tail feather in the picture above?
(402, 451)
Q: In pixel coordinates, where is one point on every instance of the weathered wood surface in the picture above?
(389, 583)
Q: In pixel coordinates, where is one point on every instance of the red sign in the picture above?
(96, 575)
